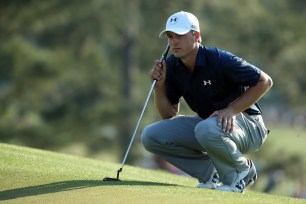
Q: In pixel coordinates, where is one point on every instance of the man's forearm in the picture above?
(252, 95)
(164, 107)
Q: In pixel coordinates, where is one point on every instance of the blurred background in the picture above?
(74, 76)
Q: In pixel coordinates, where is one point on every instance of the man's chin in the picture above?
(177, 55)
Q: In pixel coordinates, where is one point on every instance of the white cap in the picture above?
(181, 23)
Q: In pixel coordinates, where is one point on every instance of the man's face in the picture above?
(182, 45)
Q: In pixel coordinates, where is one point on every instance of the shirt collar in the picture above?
(200, 60)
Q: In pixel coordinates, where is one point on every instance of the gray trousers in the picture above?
(198, 146)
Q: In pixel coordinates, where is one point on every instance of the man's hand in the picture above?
(158, 72)
(226, 118)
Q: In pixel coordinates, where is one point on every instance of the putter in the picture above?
(164, 56)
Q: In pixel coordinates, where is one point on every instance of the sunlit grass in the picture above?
(288, 139)
(36, 176)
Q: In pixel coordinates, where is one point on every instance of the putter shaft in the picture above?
(164, 55)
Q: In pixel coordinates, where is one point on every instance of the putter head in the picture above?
(111, 179)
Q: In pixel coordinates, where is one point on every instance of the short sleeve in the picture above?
(238, 70)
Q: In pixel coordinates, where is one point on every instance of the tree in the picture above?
(70, 72)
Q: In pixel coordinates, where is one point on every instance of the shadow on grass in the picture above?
(68, 186)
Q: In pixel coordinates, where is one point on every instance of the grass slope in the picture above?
(36, 176)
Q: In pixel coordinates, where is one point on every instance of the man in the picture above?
(223, 90)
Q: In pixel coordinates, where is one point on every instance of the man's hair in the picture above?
(194, 32)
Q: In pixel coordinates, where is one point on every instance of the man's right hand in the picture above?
(158, 72)
(164, 107)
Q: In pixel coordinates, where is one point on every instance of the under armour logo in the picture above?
(173, 20)
(193, 27)
(208, 82)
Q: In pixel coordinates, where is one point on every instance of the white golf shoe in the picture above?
(244, 179)
(212, 183)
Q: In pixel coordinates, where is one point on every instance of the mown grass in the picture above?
(35, 176)
(288, 139)
(284, 153)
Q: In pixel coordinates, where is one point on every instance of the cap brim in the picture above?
(174, 30)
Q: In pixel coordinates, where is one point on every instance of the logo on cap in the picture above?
(193, 27)
(173, 20)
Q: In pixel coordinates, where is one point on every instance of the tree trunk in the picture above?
(129, 75)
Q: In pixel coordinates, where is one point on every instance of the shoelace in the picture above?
(241, 185)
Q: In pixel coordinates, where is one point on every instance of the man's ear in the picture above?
(198, 37)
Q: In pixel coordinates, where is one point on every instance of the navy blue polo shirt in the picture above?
(218, 78)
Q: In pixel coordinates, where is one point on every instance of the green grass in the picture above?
(36, 176)
(288, 139)
(284, 149)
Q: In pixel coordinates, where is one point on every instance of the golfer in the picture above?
(223, 90)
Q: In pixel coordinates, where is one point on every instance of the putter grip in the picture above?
(163, 57)
(165, 53)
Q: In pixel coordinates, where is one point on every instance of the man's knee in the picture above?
(148, 137)
(207, 132)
